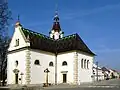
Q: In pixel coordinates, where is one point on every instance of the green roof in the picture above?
(45, 43)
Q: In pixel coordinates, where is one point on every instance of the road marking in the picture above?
(104, 86)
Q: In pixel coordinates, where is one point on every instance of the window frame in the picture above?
(64, 63)
(36, 62)
(17, 42)
(16, 63)
(51, 64)
(85, 63)
(82, 63)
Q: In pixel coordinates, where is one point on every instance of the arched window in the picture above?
(51, 64)
(37, 62)
(64, 63)
(85, 63)
(16, 63)
(81, 63)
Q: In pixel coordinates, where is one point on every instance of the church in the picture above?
(34, 58)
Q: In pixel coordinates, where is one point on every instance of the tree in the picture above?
(5, 16)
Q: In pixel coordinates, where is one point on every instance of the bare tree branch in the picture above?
(5, 16)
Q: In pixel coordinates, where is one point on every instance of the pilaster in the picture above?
(75, 68)
(27, 74)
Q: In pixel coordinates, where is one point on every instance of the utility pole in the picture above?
(97, 70)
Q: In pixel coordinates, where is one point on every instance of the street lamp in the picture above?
(46, 71)
(97, 70)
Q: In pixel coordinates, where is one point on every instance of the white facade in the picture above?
(37, 71)
(71, 73)
(12, 58)
(16, 55)
(85, 72)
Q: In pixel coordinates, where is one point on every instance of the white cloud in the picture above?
(75, 14)
(107, 50)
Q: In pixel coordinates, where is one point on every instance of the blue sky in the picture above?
(96, 21)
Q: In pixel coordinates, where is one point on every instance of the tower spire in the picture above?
(56, 17)
(56, 32)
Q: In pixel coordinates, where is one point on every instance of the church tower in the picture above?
(56, 32)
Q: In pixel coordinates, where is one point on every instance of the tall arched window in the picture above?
(81, 63)
(37, 62)
(64, 63)
(85, 63)
(51, 64)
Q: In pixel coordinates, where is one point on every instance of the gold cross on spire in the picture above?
(18, 17)
(18, 22)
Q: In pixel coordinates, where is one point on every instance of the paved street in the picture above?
(102, 85)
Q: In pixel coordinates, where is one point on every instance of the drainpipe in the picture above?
(55, 68)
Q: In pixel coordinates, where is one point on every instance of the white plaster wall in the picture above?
(85, 74)
(68, 57)
(20, 57)
(37, 71)
(18, 34)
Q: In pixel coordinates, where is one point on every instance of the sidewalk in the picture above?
(22, 87)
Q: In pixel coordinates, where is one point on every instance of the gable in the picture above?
(18, 34)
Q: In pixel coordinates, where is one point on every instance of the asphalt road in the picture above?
(102, 85)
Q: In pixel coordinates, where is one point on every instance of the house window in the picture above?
(85, 63)
(82, 63)
(17, 42)
(37, 62)
(64, 63)
(51, 64)
(16, 63)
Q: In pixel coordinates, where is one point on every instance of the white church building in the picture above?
(30, 53)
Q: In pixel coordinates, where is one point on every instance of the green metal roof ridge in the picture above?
(36, 33)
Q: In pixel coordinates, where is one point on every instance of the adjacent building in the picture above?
(98, 74)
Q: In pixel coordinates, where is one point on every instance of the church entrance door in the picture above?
(16, 78)
(64, 78)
